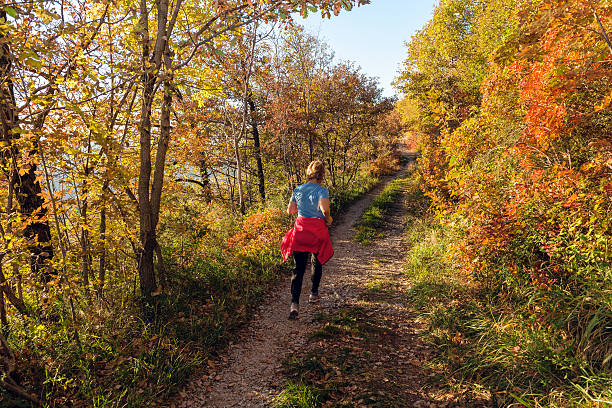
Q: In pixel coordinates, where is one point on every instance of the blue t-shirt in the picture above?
(307, 197)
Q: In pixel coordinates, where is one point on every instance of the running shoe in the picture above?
(293, 314)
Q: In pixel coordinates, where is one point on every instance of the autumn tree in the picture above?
(515, 150)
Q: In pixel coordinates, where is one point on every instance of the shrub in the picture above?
(386, 164)
(258, 241)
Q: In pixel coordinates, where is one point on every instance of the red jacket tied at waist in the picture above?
(308, 235)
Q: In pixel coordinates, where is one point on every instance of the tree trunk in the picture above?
(85, 253)
(161, 267)
(256, 145)
(102, 256)
(286, 165)
(148, 243)
(8, 291)
(149, 197)
(147, 230)
(205, 177)
(85, 264)
(160, 159)
(3, 318)
(27, 187)
(310, 146)
(239, 173)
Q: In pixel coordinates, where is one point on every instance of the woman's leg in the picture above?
(317, 271)
(301, 259)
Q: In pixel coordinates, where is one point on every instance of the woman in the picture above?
(310, 234)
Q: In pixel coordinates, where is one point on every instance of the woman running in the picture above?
(309, 235)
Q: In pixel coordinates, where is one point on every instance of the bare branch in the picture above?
(603, 33)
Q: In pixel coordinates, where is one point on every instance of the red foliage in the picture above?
(528, 180)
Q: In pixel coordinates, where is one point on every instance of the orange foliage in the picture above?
(260, 236)
(386, 164)
(528, 178)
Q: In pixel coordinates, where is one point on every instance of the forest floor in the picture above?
(361, 345)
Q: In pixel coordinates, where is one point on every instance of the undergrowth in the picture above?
(219, 265)
(341, 198)
(120, 360)
(298, 395)
(516, 344)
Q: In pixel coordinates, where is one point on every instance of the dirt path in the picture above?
(251, 370)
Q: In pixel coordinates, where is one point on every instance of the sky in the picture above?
(373, 35)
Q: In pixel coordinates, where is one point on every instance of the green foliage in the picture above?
(447, 60)
(297, 396)
(341, 198)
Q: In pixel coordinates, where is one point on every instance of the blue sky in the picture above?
(373, 35)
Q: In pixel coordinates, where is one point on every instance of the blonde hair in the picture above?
(315, 171)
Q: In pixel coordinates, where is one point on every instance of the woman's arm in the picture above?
(324, 206)
(292, 207)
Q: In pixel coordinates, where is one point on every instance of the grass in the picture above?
(298, 396)
(341, 199)
(498, 341)
(380, 285)
(373, 217)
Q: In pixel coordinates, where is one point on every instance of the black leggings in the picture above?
(301, 259)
